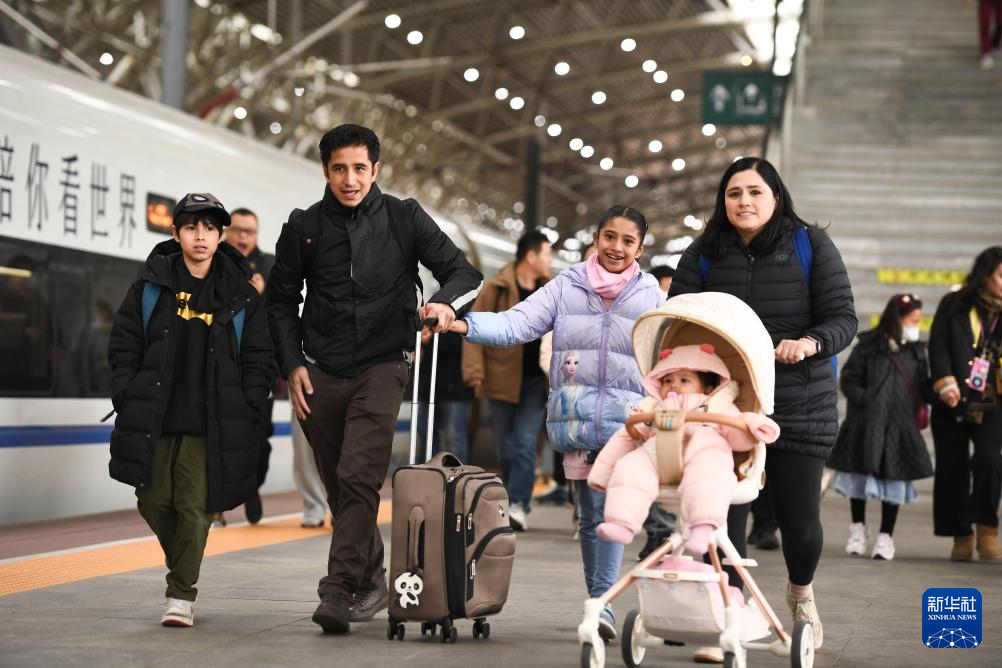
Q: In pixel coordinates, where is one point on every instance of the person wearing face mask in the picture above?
(880, 450)
(965, 356)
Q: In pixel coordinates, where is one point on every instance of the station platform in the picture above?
(100, 604)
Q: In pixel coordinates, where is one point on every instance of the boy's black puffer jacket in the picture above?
(771, 281)
(237, 382)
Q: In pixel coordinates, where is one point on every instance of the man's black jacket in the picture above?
(383, 265)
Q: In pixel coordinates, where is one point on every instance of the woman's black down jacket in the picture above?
(879, 436)
(238, 383)
(771, 280)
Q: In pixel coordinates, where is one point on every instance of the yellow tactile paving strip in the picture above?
(48, 571)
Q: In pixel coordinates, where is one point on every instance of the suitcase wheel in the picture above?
(394, 629)
(481, 629)
(427, 627)
(449, 634)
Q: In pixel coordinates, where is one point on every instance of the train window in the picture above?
(26, 328)
(110, 281)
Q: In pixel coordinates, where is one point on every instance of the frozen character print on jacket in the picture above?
(570, 401)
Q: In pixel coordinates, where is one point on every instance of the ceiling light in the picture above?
(240, 113)
(275, 128)
(746, 60)
(351, 80)
(631, 181)
(554, 130)
(628, 44)
(677, 95)
(606, 163)
(587, 151)
(516, 103)
(415, 37)
(501, 93)
(709, 130)
(539, 121)
(721, 142)
(392, 21)
(576, 144)
(298, 91)
(649, 66)
(598, 97)
(655, 146)
(106, 58)
(678, 164)
(561, 68)
(471, 74)
(660, 76)
(516, 32)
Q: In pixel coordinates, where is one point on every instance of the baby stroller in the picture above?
(683, 600)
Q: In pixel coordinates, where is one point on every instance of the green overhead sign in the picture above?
(741, 98)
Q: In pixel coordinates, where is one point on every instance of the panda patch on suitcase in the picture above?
(408, 587)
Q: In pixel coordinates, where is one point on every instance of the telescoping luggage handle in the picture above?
(427, 322)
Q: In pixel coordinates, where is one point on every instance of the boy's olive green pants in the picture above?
(174, 505)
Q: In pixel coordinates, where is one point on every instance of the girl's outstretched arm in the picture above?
(526, 321)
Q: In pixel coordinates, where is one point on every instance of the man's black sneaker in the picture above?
(557, 496)
(368, 602)
(654, 541)
(333, 613)
(764, 538)
(253, 509)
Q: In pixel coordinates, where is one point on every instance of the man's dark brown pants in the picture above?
(350, 428)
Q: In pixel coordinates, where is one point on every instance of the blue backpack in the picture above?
(151, 293)
(805, 253)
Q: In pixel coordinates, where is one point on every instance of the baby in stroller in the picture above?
(695, 446)
(687, 378)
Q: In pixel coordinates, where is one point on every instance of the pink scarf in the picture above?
(607, 284)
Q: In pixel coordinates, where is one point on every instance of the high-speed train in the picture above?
(88, 178)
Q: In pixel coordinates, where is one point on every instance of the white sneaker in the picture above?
(883, 548)
(987, 62)
(856, 545)
(516, 517)
(179, 613)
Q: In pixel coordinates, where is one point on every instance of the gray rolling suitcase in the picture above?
(452, 544)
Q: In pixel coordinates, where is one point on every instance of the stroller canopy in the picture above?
(725, 322)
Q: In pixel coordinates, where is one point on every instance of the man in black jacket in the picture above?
(347, 356)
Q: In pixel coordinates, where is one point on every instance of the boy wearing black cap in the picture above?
(192, 364)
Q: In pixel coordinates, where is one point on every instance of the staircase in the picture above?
(897, 143)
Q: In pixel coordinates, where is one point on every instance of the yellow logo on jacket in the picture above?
(187, 313)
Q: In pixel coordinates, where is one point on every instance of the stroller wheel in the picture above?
(730, 661)
(802, 646)
(633, 633)
(589, 657)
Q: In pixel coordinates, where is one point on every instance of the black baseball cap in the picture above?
(194, 202)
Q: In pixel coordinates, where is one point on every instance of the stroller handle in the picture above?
(693, 416)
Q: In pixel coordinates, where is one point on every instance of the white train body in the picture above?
(88, 176)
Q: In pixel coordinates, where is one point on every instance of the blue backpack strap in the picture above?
(802, 245)
(805, 253)
(238, 326)
(151, 293)
(704, 267)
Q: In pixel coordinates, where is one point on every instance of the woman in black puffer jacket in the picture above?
(756, 248)
(880, 450)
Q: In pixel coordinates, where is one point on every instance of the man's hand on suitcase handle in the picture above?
(441, 314)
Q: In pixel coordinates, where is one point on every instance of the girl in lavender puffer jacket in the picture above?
(594, 378)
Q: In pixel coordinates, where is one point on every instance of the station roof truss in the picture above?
(451, 137)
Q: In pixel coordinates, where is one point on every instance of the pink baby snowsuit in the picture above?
(627, 471)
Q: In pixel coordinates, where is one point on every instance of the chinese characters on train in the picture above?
(63, 188)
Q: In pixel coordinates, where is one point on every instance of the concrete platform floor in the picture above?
(255, 605)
